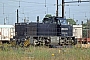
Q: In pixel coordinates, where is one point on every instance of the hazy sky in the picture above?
(33, 8)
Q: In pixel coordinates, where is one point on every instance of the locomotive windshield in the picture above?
(55, 20)
(61, 21)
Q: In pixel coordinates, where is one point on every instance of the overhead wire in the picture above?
(36, 3)
(16, 6)
(32, 2)
(40, 3)
(11, 5)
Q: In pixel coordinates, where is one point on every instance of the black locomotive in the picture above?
(52, 31)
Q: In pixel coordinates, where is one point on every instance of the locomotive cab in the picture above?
(55, 20)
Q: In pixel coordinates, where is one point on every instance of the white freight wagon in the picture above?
(77, 31)
(6, 32)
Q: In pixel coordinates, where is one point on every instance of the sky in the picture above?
(30, 9)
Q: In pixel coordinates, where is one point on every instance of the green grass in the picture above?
(43, 53)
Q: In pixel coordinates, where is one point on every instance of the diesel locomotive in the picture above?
(51, 31)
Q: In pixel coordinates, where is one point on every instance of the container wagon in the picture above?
(6, 32)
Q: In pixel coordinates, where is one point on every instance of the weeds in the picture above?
(43, 53)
